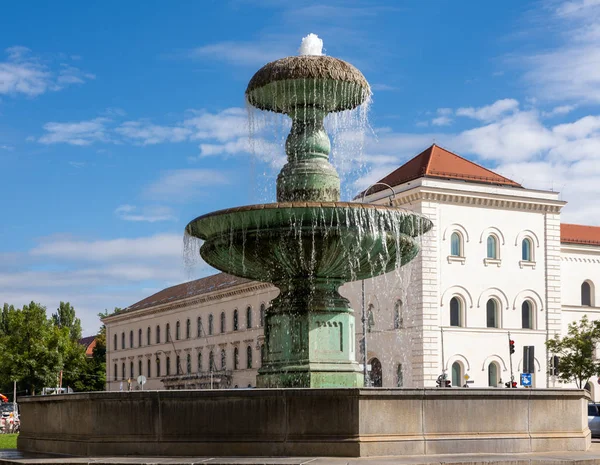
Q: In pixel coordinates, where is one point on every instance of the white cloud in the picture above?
(441, 121)
(151, 214)
(559, 110)
(150, 134)
(515, 137)
(179, 185)
(95, 274)
(76, 133)
(25, 73)
(569, 71)
(123, 249)
(578, 129)
(241, 53)
(490, 112)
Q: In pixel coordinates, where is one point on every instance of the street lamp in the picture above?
(364, 317)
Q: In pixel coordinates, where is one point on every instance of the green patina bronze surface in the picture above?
(309, 243)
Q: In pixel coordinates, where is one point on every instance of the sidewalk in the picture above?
(591, 457)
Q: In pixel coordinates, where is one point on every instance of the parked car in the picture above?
(594, 419)
(9, 418)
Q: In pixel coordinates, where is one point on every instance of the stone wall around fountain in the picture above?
(306, 422)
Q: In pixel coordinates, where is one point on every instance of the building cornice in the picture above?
(188, 302)
(566, 247)
(422, 193)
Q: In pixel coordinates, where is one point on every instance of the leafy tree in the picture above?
(65, 318)
(31, 347)
(93, 377)
(576, 352)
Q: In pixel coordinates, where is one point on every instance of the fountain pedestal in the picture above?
(319, 351)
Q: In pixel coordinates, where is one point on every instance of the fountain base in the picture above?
(305, 422)
(309, 334)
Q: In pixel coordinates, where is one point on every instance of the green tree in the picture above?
(576, 352)
(31, 347)
(65, 318)
(73, 353)
(93, 377)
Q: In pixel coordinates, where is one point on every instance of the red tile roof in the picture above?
(216, 282)
(579, 234)
(436, 162)
(89, 343)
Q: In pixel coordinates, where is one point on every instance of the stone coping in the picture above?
(349, 422)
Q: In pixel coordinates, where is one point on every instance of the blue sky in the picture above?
(120, 122)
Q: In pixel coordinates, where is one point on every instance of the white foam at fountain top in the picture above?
(311, 45)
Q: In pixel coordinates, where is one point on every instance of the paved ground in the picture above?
(591, 457)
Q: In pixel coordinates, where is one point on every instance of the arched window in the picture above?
(456, 245)
(158, 335)
(249, 357)
(223, 359)
(199, 326)
(492, 247)
(123, 374)
(526, 315)
(399, 376)
(398, 316)
(140, 368)
(140, 337)
(376, 373)
(177, 331)
(168, 365)
(188, 329)
(188, 364)
(131, 374)
(149, 368)
(211, 361)
(492, 313)
(370, 318)
(199, 362)
(493, 375)
(115, 342)
(235, 320)
(262, 354)
(115, 373)
(210, 324)
(236, 358)
(457, 375)
(262, 315)
(168, 332)
(586, 294)
(158, 367)
(131, 339)
(122, 340)
(248, 317)
(178, 365)
(526, 249)
(148, 335)
(456, 312)
(222, 322)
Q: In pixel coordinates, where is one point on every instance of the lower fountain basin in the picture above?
(333, 241)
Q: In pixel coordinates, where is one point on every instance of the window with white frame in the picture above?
(456, 244)
(456, 312)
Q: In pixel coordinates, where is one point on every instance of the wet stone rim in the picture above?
(307, 67)
(425, 223)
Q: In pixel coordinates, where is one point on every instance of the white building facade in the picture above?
(495, 263)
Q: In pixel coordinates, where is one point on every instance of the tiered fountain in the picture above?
(309, 243)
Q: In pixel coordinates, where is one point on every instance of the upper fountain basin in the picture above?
(336, 241)
(323, 82)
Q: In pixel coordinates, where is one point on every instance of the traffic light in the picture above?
(511, 346)
(507, 384)
(514, 384)
(448, 383)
